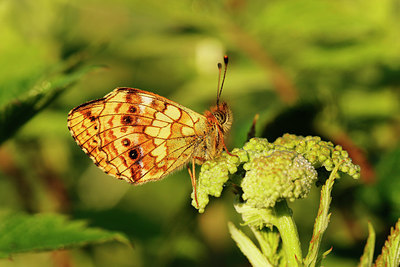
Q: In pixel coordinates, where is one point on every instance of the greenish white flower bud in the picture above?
(214, 174)
(282, 175)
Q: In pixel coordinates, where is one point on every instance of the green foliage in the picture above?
(368, 255)
(314, 257)
(42, 232)
(16, 111)
(271, 178)
(320, 68)
(390, 255)
(247, 247)
(259, 216)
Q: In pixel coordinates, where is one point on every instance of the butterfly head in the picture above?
(221, 114)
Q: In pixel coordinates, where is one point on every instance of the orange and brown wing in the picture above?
(137, 135)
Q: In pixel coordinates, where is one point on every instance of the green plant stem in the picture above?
(289, 235)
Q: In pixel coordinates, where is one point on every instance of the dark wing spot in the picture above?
(123, 130)
(126, 120)
(133, 154)
(88, 114)
(92, 118)
(132, 109)
(95, 127)
(126, 142)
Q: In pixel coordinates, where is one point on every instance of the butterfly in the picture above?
(139, 136)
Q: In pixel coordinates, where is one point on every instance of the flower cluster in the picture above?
(284, 169)
(283, 174)
(320, 153)
(214, 174)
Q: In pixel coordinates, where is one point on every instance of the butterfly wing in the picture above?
(136, 135)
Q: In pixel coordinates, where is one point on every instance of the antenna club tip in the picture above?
(219, 66)
(226, 59)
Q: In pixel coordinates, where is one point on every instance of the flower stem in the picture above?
(289, 235)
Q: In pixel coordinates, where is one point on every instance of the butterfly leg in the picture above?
(192, 174)
(252, 130)
(226, 149)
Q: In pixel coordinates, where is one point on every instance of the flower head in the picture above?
(282, 175)
(284, 169)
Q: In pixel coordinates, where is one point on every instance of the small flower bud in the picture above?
(282, 175)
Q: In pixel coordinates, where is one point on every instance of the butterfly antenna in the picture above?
(223, 78)
(219, 81)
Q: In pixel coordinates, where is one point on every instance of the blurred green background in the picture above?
(327, 68)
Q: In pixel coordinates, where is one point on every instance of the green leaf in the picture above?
(323, 256)
(17, 110)
(43, 232)
(247, 247)
(368, 255)
(322, 220)
(390, 255)
(269, 241)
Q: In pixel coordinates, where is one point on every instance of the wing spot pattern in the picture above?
(126, 120)
(134, 154)
(125, 142)
(168, 127)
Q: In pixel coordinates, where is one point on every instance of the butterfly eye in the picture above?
(220, 116)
